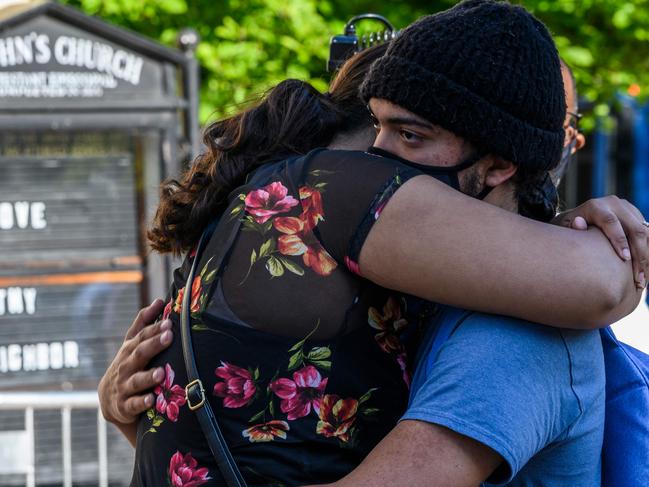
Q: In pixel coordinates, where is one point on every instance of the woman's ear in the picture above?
(497, 170)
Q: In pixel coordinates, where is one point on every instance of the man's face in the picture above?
(412, 137)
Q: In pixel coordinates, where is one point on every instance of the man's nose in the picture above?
(384, 141)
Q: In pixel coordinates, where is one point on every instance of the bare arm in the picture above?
(440, 245)
(419, 453)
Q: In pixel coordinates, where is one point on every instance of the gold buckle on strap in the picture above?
(194, 407)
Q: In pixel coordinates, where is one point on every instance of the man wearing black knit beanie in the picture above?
(488, 73)
(474, 97)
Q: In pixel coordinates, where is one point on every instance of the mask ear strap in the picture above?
(483, 194)
(468, 162)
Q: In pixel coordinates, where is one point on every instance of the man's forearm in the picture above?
(419, 453)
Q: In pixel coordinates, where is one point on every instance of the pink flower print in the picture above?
(170, 396)
(268, 201)
(183, 471)
(402, 360)
(301, 394)
(167, 310)
(352, 266)
(238, 387)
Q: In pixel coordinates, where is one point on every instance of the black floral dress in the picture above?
(302, 359)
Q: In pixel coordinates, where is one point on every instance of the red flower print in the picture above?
(178, 304)
(195, 303)
(336, 417)
(268, 201)
(390, 322)
(299, 240)
(312, 211)
(170, 396)
(300, 394)
(266, 431)
(183, 471)
(238, 387)
(167, 310)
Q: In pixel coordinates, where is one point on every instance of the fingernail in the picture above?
(158, 375)
(165, 325)
(148, 400)
(165, 337)
(626, 254)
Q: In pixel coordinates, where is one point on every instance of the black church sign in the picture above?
(45, 63)
(92, 118)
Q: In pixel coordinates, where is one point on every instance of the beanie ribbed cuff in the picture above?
(443, 102)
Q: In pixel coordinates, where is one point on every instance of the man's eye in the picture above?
(409, 136)
(375, 122)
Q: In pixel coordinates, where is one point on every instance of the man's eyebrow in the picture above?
(410, 121)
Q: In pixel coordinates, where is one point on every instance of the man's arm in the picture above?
(419, 453)
(533, 263)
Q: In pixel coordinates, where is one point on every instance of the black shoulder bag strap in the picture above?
(194, 390)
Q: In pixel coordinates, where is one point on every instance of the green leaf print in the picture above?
(366, 397)
(275, 267)
(292, 266)
(210, 277)
(370, 411)
(257, 416)
(267, 248)
(323, 364)
(319, 353)
(300, 344)
(296, 360)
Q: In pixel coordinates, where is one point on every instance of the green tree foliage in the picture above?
(249, 45)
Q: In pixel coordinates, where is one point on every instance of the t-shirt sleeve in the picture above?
(353, 188)
(502, 382)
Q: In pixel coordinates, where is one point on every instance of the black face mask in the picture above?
(446, 174)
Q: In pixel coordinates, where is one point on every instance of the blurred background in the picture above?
(100, 100)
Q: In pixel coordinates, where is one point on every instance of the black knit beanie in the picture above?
(487, 71)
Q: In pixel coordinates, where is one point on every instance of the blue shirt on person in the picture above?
(532, 393)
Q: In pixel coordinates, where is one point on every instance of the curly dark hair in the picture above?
(291, 119)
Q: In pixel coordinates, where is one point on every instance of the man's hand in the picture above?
(123, 388)
(622, 223)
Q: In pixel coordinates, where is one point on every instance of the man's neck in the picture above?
(503, 196)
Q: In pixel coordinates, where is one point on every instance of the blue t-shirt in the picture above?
(532, 393)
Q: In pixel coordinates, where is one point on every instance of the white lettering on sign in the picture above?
(22, 214)
(35, 48)
(17, 301)
(39, 356)
(54, 84)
